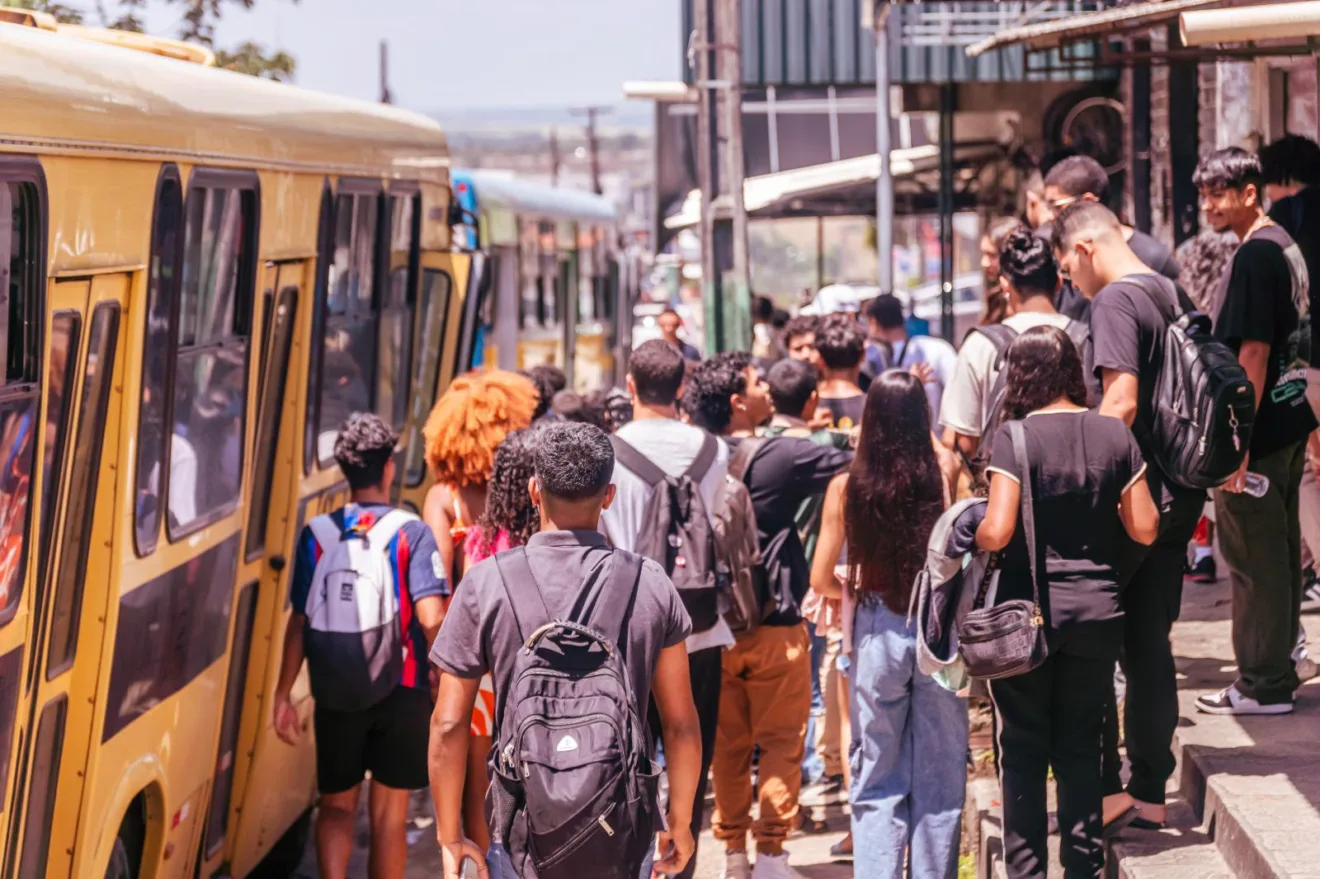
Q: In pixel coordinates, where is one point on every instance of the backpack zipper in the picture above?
(570, 845)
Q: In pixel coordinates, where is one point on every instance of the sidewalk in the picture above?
(1245, 799)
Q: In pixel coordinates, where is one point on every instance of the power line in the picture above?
(593, 141)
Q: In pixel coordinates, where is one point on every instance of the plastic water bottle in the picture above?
(1256, 485)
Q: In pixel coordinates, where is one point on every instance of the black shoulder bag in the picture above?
(1008, 639)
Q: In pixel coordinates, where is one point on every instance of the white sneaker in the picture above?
(774, 867)
(1230, 701)
(1302, 660)
(829, 791)
(736, 866)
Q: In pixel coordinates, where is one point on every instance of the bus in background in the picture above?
(207, 272)
(549, 289)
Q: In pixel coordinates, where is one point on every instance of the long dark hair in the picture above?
(894, 491)
(1042, 365)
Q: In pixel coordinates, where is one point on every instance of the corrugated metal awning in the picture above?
(1049, 34)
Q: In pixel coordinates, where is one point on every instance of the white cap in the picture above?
(832, 298)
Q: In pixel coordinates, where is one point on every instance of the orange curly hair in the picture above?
(470, 419)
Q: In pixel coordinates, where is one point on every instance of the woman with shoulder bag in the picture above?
(1085, 477)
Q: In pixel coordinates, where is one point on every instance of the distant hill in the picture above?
(624, 117)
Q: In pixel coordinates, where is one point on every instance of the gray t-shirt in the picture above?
(672, 446)
(480, 634)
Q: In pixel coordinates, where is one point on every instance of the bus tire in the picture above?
(288, 852)
(121, 865)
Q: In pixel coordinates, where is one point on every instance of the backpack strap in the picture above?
(645, 469)
(999, 335)
(387, 526)
(742, 457)
(614, 596)
(697, 470)
(1019, 434)
(325, 531)
(525, 599)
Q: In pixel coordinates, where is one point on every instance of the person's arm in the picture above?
(1120, 400)
(427, 581)
(681, 733)
(1137, 510)
(813, 466)
(436, 514)
(829, 545)
(1255, 359)
(447, 766)
(1001, 514)
(286, 716)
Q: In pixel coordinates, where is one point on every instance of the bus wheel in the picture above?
(287, 854)
(121, 865)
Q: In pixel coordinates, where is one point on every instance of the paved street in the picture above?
(810, 854)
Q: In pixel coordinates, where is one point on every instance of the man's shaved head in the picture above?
(1087, 236)
(1083, 220)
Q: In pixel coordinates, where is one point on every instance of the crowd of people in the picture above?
(710, 574)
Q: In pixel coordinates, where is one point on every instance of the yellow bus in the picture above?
(548, 277)
(205, 272)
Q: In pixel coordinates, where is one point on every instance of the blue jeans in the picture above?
(813, 767)
(909, 754)
(500, 866)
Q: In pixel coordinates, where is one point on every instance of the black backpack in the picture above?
(676, 531)
(1002, 337)
(1204, 406)
(574, 791)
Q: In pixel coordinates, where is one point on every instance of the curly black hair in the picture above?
(1042, 365)
(363, 448)
(574, 461)
(1027, 261)
(840, 341)
(709, 389)
(508, 503)
(549, 380)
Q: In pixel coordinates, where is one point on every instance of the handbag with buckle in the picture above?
(1007, 639)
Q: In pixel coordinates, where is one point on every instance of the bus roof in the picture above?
(500, 191)
(63, 94)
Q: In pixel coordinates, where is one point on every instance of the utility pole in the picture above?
(554, 157)
(707, 170)
(385, 97)
(593, 142)
(738, 305)
(884, 181)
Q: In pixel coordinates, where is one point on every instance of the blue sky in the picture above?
(446, 54)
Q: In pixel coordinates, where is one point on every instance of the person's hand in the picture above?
(923, 371)
(455, 852)
(823, 419)
(287, 725)
(1238, 481)
(673, 848)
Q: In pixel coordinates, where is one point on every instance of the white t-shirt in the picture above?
(967, 394)
(938, 353)
(672, 446)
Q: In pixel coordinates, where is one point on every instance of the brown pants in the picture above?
(765, 699)
(833, 732)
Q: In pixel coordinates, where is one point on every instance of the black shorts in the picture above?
(389, 740)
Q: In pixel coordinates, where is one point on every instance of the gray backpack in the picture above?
(676, 530)
(574, 790)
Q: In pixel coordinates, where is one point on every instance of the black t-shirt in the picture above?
(1265, 298)
(1154, 254)
(1299, 215)
(785, 472)
(1081, 463)
(846, 412)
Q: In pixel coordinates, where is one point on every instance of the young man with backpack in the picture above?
(1132, 310)
(656, 455)
(1263, 318)
(368, 597)
(841, 350)
(765, 695)
(576, 636)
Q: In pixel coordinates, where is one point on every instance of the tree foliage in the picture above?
(197, 26)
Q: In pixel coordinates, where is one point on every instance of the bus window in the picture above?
(163, 291)
(348, 355)
(20, 251)
(433, 306)
(65, 332)
(101, 339)
(210, 378)
(529, 300)
(325, 246)
(393, 343)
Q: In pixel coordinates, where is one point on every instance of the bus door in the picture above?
(262, 584)
(75, 567)
(437, 320)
